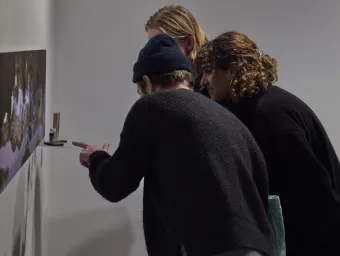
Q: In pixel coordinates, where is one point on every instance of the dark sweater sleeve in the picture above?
(115, 177)
(303, 182)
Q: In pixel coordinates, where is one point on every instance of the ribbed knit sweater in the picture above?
(205, 180)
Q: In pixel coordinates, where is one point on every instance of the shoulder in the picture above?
(277, 99)
(142, 108)
(165, 99)
(173, 98)
(148, 101)
(142, 113)
(281, 111)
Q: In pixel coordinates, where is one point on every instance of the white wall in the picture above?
(79, 221)
(96, 44)
(25, 25)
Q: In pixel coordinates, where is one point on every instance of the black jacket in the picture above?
(205, 180)
(303, 169)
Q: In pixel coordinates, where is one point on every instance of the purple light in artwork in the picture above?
(25, 107)
(19, 104)
(27, 94)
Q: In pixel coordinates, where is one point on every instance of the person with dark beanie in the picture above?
(205, 180)
(303, 168)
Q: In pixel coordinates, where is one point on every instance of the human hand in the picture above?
(87, 151)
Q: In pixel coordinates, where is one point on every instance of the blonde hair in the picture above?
(179, 23)
(255, 70)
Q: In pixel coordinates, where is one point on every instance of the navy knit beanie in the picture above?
(160, 55)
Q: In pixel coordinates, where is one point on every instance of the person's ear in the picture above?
(187, 45)
(190, 43)
(148, 83)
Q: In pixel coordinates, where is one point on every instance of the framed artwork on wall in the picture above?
(22, 109)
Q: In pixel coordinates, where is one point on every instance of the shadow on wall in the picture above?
(20, 218)
(27, 217)
(114, 242)
(37, 219)
(105, 232)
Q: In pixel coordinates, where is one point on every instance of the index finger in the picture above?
(79, 144)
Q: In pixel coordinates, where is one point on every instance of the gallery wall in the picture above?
(97, 42)
(92, 46)
(25, 26)
(96, 45)
(20, 212)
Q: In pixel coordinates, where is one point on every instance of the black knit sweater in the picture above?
(205, 180)
(303, 169)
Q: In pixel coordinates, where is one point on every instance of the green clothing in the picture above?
(241, 252)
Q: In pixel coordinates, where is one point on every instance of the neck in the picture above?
(178, 86)
(237, 100)
(182, 86)
(230, 99)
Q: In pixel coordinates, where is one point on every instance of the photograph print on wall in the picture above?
(22, 109)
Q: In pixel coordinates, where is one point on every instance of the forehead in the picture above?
(153, 32)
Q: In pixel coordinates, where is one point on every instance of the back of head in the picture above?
(163, 62)
(179, 23)
(254, 71)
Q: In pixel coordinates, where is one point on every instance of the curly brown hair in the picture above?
(254, 69)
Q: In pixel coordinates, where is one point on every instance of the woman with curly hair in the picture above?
(181, 25)
(303, 167)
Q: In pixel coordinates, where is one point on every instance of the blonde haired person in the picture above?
(181, 25)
